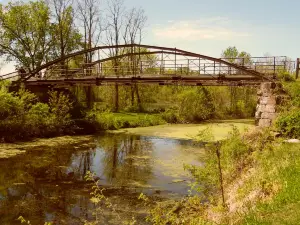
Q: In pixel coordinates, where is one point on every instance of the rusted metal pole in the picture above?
(274, 65)
(214, 67)
(175, 59)
(297, 68)
(199, 66)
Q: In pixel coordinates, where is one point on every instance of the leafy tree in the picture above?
(66, 36)
(195, 105)
(231, 53)
(25, 33)
(241, 58)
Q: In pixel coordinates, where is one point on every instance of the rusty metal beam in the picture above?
(176, 51)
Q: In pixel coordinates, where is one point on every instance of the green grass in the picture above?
(115, 121)
(284, 208)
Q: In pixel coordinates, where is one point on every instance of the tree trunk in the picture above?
(132, 95)
(89, 97)
(116, 97)
(138, 98)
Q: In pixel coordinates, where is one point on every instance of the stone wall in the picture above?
(269, 97)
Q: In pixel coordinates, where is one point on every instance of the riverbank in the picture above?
(261, 182)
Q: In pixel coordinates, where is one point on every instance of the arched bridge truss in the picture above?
(128, 64)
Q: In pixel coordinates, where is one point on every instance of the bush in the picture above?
(22, 117)
(196, 105)
(171, 116)
(288, 123)
(285, 76)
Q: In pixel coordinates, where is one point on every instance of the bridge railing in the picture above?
(11, 76)
(266, 65)
(180, 66)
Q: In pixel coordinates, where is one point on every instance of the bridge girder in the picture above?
(165, 63)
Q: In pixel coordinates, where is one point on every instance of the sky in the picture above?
(209, 26)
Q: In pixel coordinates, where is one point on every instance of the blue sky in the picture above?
(210, 26)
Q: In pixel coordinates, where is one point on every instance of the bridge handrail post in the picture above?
(274, 65)
(175, 60)
(199, 66)
(297, 68)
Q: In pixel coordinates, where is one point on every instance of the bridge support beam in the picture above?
(270, 96)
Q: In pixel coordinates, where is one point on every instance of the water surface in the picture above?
(47, 183)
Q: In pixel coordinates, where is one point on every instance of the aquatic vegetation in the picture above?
(219, 129)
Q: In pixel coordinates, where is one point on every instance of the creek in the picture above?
(44, 180)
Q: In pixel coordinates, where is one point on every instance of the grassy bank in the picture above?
(115, 121)
(261, 182)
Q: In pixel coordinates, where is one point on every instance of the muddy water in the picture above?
(44, 180)
(47, 182)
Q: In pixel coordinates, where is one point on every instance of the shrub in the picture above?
(285, 76)
(171, 116)
(22, 117)
(288, 123)
(196, 105)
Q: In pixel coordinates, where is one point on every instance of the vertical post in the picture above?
(204, 68)
(274, 65)
(175, 59)
(101, 69)
(188, 67)
(214, 67)
(99, 66)
(284, 64)
(199, 66)
(297, 68)
(162, 63)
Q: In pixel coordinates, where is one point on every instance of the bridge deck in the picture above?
(240, 80)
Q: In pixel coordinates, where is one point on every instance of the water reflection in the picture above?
(47, 184)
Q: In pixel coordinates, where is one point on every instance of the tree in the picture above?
(241, 58)
(196, 105)
(230, 53)
(25, 33)
(89, 16)
(65, 35)
(115, 15)
(234, 56)
(135, 20)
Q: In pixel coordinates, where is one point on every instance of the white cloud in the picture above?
(217, 28)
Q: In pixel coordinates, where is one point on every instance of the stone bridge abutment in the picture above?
(270, 97)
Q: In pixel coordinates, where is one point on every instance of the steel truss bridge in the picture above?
(146, 64)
